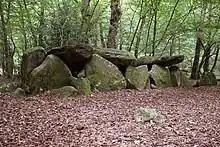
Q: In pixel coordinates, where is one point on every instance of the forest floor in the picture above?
(192, 119)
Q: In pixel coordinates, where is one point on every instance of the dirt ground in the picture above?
(192, 119)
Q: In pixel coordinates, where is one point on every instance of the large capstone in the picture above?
(146, 60)
(104, 75)
(31, 58)
(117, 57)
(137, 77)
(162, 61)
(75, 57)
(160, 76)
(51, 74)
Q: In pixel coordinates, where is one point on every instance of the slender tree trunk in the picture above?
(34, 36)
(207, 53)
(195, 72)
(154, 32)
(135, 33)
(139, 36)
(172, 46)
(209, 45)
(121, 38)
(168, 24)
(137, 27)
(41, 27)
(114, 20)
(85, 20)
(131, 24)
(216, 59)
(23, 29)
(102, 35)
(7, 68)
(148, 35)
(195, 67)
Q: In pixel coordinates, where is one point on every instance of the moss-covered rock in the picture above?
(82, 74)
(178, 77)
(104, 75)
(137, 77)
(31, 58)
(161, 76)
(51, 74)
(117, 57)
(146, 60)
(19, 92)
(208, 79)
(82, 84)
(146, 115)
(65, 92)
(184, 80)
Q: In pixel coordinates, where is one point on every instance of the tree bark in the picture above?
(216, 59)
(7, 63)
(148, 35)
(41, 27)
(207, 56)
(154, 32)
(114, 21)
(209, 45)
(135, 32)
(195, 67)
(23, 29)
(195, 72)
(139, 36)
(85, 20)
(34, 36)
(101, 35)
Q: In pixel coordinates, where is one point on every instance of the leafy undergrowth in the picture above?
(192, 119)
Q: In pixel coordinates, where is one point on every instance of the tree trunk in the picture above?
(41, 27)
(148, 35)
(135, 32)
(216, 59)
(115, 17)
(154, 32)
(195, 72)
(23, 29)
(7, 55)
(209, 45)
(195, 67)
(139, 36)
(34, 36)
(85, 20)
(207, 56)
(101, 35)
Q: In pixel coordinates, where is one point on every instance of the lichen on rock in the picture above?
(137, 77)
(51, 74)
(104, 75)
(82, 84)
(65, 92)
(161, 76)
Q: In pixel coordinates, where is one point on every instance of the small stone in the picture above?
(148, 115)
